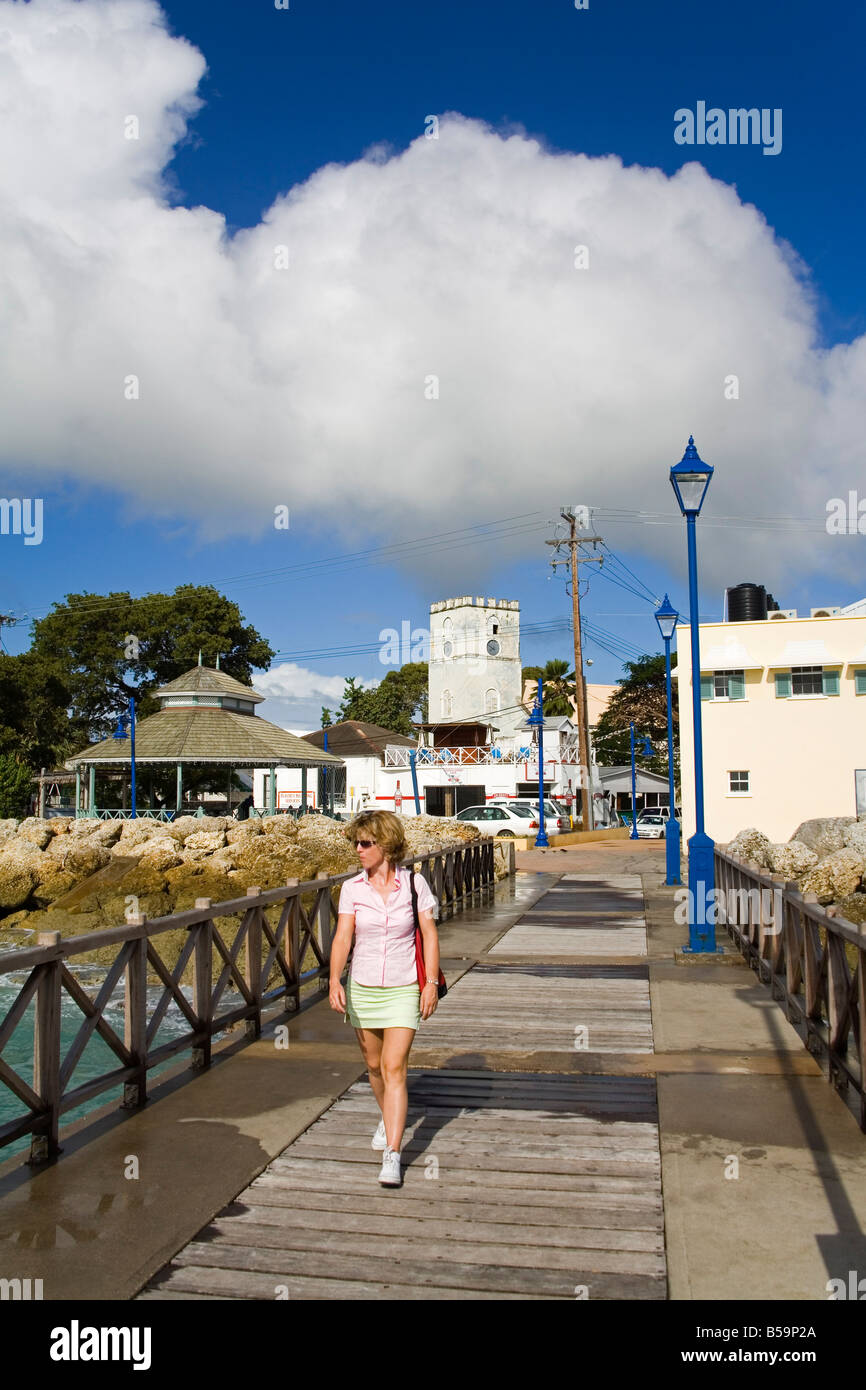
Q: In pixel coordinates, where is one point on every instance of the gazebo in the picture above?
(207, 719)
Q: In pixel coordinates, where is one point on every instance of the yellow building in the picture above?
(783, 705)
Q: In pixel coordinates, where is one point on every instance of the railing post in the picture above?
(46, 1053)
(292, 944)
(323, 925)
(837, 1012)
(203, 986)
(135, 1018)
(253, 1026)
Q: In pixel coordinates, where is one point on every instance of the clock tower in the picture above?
(475, 662)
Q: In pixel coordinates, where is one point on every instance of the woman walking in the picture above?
(382, 999)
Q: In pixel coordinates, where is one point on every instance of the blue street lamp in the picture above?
(536, 721)
(667, 618)
(120, 733)
(690, 479)
(647, 751)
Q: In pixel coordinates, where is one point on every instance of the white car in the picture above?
(555, 819)
(651, 827)
(500, 820)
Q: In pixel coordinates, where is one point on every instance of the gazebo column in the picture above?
(179, 788)
(77, 790)
(91, 790)
(272, 791)
(304, 789)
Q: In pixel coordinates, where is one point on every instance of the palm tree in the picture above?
(558, 685)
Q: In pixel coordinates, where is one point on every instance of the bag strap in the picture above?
(413, 890)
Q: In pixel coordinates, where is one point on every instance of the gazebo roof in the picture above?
(208, 734)
(204, 680)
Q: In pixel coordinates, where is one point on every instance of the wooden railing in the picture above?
(454, 873)
(813, 961)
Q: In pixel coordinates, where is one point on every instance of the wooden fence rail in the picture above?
(812, 960)
(263, 964)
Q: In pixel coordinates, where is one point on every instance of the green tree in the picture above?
(394, 703)
(34, 719)
(327, 720)
(558, 685)
(106, 648)
(641, 697)
(15, 780)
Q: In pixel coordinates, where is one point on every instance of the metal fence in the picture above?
(812, 960)
(262, 963)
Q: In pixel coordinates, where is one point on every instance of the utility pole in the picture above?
(6, 620)
(570, 515)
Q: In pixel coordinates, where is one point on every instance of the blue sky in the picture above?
(289, 92)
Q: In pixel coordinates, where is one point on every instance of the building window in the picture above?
(446, 702)
(807, 680)
(860, 682)
(739, 781)
(491, 702)
(723, 685)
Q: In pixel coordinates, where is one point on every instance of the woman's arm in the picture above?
(340, 948)
(430, 944)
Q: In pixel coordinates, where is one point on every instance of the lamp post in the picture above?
(536, 721)
(120, 733)
(690, 479)
(667, 618)
(647, 751)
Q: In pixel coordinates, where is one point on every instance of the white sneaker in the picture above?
(380, 1138)
(390, 1175)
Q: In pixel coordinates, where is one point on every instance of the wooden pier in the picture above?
(518, 1184)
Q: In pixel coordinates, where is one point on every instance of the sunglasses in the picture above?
(364, 844)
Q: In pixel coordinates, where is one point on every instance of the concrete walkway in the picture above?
(762, 1165)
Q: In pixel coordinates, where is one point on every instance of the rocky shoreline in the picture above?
(76, 876)
(825, 856)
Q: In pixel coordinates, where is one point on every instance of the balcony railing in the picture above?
(486, 755)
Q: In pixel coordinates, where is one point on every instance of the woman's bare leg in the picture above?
(395, 1064)
(370, 1042)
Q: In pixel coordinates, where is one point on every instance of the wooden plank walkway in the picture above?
(516, 1185)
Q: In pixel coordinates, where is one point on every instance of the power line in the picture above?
(478, 534)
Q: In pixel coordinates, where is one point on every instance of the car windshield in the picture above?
(470, 813)
(520, 810)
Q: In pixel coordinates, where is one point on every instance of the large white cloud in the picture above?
(305, 386)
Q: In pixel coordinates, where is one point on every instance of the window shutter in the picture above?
(860, 682)
(706, 687)
(783, 684)
(831, 682)
(736, 687)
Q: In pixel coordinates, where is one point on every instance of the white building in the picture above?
(476, 744)
(782, 724)
(475, 662)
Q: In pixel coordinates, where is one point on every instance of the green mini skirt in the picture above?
(382, 1006)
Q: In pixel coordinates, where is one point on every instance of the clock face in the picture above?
(447, 649)
(493, 647)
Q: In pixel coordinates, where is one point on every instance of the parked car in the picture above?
(662, 811)
(555, 818)
(651, 827)
(508, 820)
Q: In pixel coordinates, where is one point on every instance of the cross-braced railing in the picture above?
(812, 959)
(261, 961)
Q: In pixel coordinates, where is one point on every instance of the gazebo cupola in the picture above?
(202, 687)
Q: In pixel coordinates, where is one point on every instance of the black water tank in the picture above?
(747, 603)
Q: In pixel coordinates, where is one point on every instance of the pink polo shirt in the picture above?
(384, 951)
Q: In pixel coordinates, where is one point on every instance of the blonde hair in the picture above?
(384, 828)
